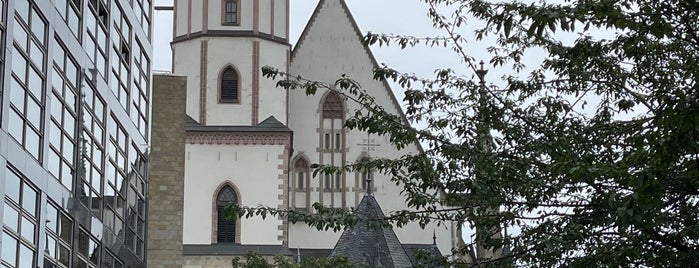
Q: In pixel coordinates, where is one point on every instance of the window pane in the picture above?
(55, 135)
(65, 229)
(9, 248)
(22, 8)
(300, 180)
(51, 218)
(29, 199)
(38, 27)
(32, 142)
(12, 185)
(63, 255)
(337, 141)
(26, 256)
(17, 95)
(67, 176)
(338, 180)
(33, 113)
(83, 241)
(54, 164)
(50, 246)
(35, 83)
(36, 54)
(11, 217)
(19, 65)
(20, 35)
(15, 124)
(28, 229)
(57, 81)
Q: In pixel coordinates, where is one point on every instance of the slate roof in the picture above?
(368, 245)
(270, 124)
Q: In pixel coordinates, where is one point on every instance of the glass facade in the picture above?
(75, 119)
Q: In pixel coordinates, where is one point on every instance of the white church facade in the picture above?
(249, 142)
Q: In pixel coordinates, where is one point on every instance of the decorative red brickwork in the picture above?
(238, 138)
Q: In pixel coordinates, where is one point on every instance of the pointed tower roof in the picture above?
(368, 245)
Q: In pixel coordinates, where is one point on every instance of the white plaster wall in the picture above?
(332, 48)
(181, 19)
(222, 52)
(280, 18)
(197, 15)
(265, 16)
(186, 63)
(272, 99)
(208, 166)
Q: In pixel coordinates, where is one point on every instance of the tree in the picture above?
(590, 158)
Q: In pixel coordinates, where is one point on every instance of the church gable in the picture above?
(332, 45)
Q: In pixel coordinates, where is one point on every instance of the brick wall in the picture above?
(166, 194)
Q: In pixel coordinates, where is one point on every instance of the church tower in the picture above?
(221, 45)
(237, 143)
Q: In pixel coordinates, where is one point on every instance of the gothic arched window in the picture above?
(333, 113)
(333, 137)
(231, 12)
(333, 107)
(230, 90)
(301, 173)
(225, 232)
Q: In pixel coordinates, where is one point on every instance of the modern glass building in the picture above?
(75, 78)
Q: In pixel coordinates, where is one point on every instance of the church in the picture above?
(224, 133)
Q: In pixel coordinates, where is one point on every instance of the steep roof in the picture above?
(270, 124)
(368, 245)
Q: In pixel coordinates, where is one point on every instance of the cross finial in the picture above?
(368, 178)
(481, 73)
(434, 237)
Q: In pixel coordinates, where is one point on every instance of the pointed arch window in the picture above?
(333, 107)
(301, 174)
(226, 228)
(231, 12)
(333, 114)
(230, 89)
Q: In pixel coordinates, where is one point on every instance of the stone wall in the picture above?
(215, 261)
(166, 194)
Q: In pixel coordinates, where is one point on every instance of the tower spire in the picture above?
(368, 181)
(434, 237)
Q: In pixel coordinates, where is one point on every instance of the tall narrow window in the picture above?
(331, 124)
(230, 12)
(301, 168)
(338, 181)
(229, 86)
(328, 182)
(226, 227)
